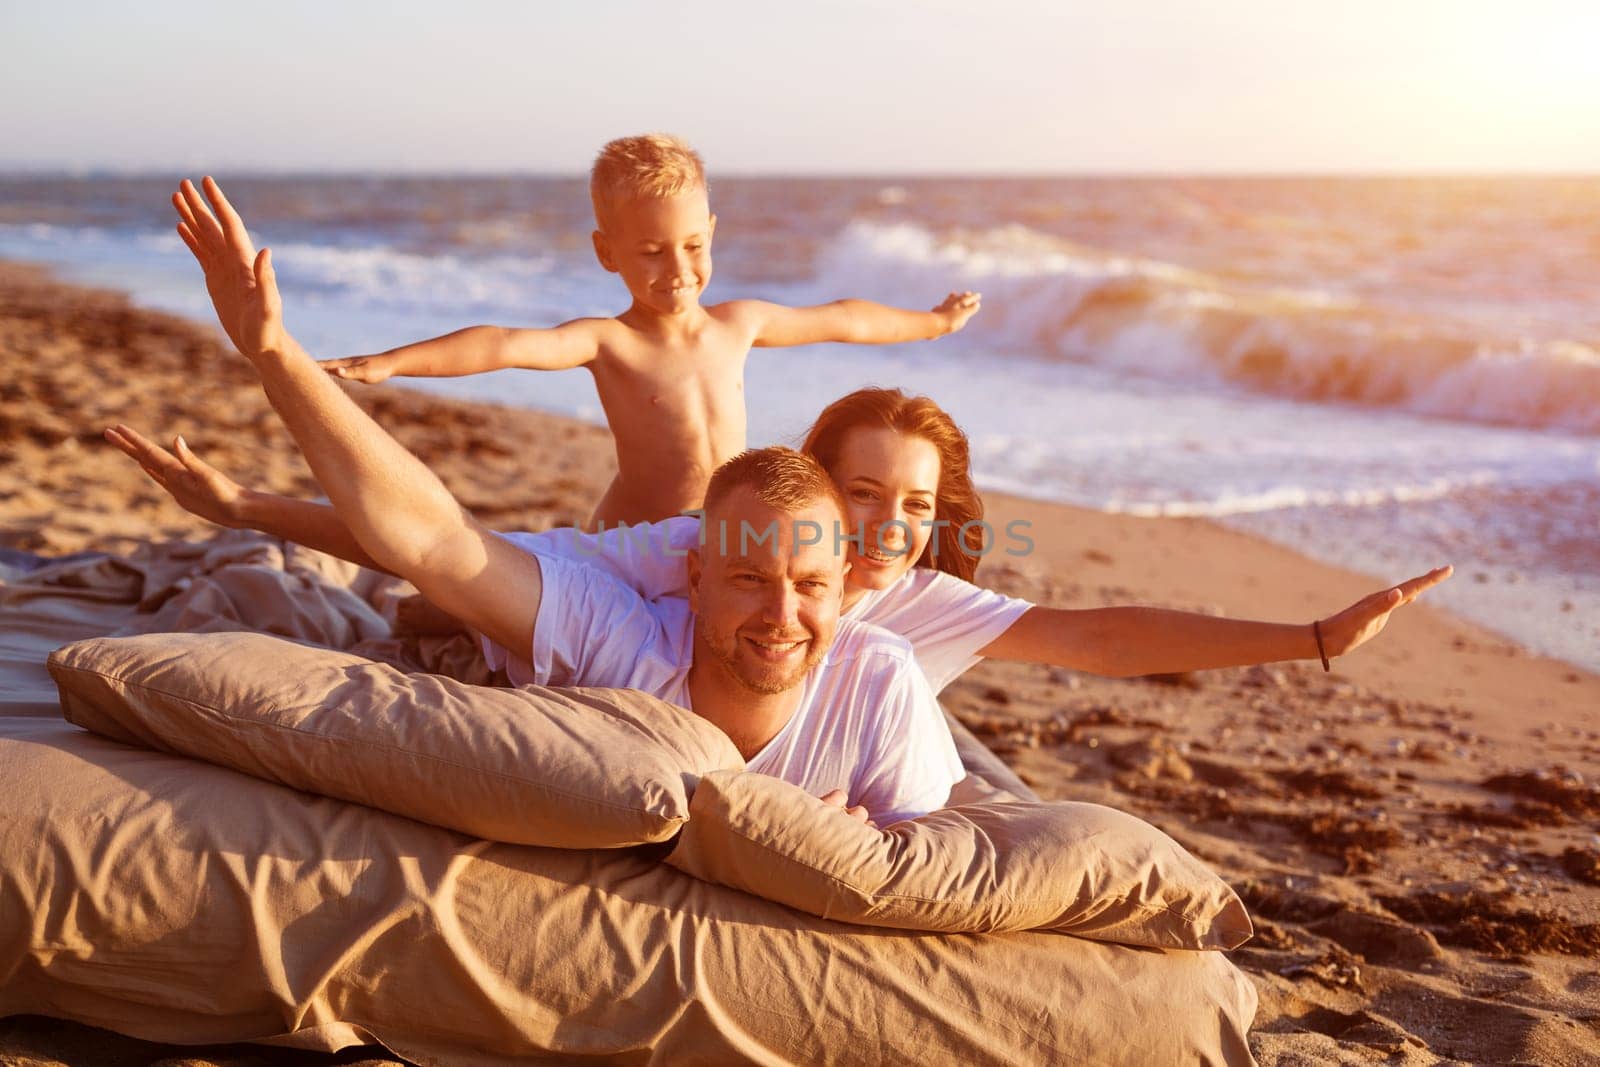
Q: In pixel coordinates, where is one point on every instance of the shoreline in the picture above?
(1436, 774)
(1192, 563)
(1011, 503)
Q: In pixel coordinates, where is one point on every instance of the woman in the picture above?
(894, 456)
(915, 522)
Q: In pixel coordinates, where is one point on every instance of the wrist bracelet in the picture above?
(1316, 629)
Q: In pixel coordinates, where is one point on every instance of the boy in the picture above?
(670, 372)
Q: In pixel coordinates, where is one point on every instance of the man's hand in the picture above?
(1362, 621)
(369, 370)
(198, 487)
(838, 798)
(957, 309)
(242, 285)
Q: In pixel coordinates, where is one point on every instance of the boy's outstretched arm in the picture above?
(860, 322)
(395, 507)
(475, 350)
(1125, 642)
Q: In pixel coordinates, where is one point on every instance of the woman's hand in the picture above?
(837, 798)
(1363, 620)
(198, 487)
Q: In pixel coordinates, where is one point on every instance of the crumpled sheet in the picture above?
(176, 901)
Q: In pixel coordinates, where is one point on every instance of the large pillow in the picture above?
(175, 901)
(988, 866)
(570, 768)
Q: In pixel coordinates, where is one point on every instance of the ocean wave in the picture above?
(1044, 296)
(1198, 501)
(378, 275)
(1291, 497)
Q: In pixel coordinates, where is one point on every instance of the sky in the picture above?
(827, 87)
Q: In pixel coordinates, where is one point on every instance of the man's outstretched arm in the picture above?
(396, 508)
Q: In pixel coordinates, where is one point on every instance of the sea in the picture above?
(1382, 373)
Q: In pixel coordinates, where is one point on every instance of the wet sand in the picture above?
(1413, 832)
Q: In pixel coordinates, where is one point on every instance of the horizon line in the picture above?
(10, 171)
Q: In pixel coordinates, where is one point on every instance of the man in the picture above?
(759, 649)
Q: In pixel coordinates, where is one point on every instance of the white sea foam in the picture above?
(379, 276)
(1106, 379)
(1044, 297)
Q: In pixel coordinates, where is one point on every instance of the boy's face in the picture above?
(661, 246)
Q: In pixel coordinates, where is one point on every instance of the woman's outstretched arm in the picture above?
(1125, 642)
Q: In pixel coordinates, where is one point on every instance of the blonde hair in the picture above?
(782, 479)
(652, 165)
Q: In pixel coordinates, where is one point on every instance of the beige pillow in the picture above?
(570, 768)
(175, 901)
(979, 867)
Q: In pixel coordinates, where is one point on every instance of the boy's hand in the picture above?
(369, 370)
(1362, 621)
(198, 487)
(957, 309)
(243, 287)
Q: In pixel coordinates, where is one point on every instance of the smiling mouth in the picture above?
(776, 651)
(876, 556)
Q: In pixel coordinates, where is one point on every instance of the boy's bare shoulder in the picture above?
(602, 331)
(593, 324)
(748, 318)
(740, 310)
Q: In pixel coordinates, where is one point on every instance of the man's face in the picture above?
(661, 246)
(766, 604)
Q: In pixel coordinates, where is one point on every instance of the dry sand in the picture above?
(1414, 833)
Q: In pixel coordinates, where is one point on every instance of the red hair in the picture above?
(957, 548)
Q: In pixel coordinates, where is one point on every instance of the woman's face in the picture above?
(890, 482)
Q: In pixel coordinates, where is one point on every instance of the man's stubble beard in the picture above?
(726, 652)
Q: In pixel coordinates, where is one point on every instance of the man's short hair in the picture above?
(780, 477)
(653, 165)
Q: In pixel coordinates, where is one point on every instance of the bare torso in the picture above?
(676, 409)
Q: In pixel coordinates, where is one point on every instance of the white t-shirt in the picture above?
(867, 722)
(947, 620)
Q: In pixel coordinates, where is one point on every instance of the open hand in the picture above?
(198, 487)
(242, 285)
(369, 370)
(839, 799)
(958, 308)
(1362, 621)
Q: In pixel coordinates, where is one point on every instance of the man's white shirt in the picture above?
(867, 721)
(947, 620)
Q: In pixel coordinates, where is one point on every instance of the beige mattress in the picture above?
(172, 900)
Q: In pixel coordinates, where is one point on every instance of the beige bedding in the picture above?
(169, 899)
(563, 768)
(975, 866)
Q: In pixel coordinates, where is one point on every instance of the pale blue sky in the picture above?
(852, 86)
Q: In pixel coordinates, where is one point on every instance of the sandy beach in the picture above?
(1413, 832)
